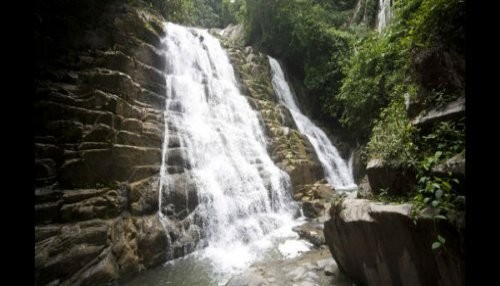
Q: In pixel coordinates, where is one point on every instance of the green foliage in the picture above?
(179, 11)
(233, 12)
(392, 137)
(434, 191)
(378, 66)
(204, 13)
(381, 63)
(360, 77)
(448, 137)
(386, 197)
(438, 98)
(324, 72)
(439, 22)
(438, 243)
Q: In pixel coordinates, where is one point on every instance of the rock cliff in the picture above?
(99, 112)
(100, 93)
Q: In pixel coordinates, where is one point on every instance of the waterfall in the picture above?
(243, 196)
(356, 11)
(384, 14)
(337, 172)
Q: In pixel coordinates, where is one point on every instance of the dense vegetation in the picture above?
(204, 13)
(312, 38)
(421, 27)
(366, 80)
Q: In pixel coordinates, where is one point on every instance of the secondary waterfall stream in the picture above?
(384, 14)
(337, 172)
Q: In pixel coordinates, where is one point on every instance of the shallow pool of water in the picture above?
(200, 268)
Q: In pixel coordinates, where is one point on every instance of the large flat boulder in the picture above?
(381, 244)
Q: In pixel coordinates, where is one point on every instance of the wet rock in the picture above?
(169, 210)
(315, 198)
(89, 204)
(391, 177)
(152, 242)
(143, 196)
(304, 172)
(99, 133)
(289, 149)
(306, 269)
(312, 232)
(138, 243)
(358, 167)
(182, 193)
(314, 208)
(100, 94)
(124, 158)
(71, 248)
(106, 270)
(177, 157)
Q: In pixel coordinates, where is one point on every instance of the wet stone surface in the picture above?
(315, 267)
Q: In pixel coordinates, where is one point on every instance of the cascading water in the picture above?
(337, 172)
(357, 8)
(384, 14)
(243, 196)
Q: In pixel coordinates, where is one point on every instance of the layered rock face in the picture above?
(99, 112)
(380, 244)
(289, 149)
(100, 93)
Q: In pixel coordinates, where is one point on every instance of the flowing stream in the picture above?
(337, 172)
(384, 14)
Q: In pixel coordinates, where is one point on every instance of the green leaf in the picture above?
(436, 245)
(446, 186)
(440, 217)
(441, 239)
(438, 154)
(426, 200)
(435, 203)
(439, 194)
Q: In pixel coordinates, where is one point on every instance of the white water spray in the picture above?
(243, 196)
(384, 14)
(337, 172)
